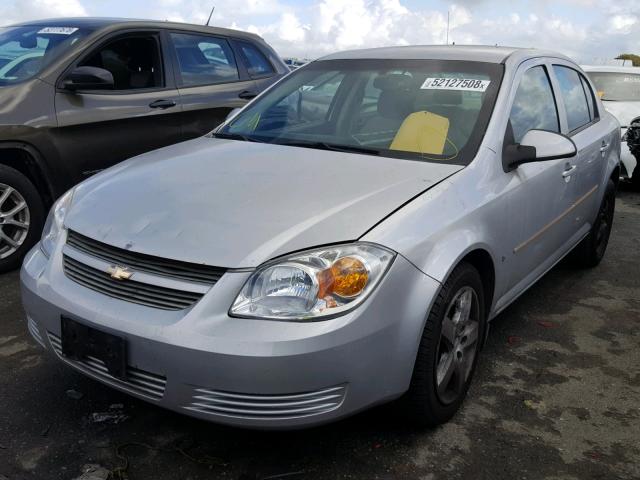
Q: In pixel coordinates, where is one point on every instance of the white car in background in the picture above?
(619, 90)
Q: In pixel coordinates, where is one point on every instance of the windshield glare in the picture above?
(428, 110)
(25, 51)
(617, 87)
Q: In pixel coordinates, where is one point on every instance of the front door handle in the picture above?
(247, 95)
(568, 171)
(162, 104)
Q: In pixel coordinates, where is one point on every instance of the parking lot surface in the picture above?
(556, 396)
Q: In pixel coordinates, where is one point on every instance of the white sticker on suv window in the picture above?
(465, 84)
(58, 30)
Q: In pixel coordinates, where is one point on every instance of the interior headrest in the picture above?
(393, 81)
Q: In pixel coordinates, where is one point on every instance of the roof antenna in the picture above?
(210, 14)
(448, 27)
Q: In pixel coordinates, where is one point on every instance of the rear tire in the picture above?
(449, 349)
(590, 252)
(21, 217)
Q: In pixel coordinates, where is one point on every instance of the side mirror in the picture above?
(538, 146)
(88, 78)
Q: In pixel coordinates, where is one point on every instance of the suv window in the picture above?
(573, 96)
(534, 106)
(204, 60)
(134, 62)
(257, 63)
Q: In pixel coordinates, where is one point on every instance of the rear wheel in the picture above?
(590, 251)
(448, 350)
(21, 217)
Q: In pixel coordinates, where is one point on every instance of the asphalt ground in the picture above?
(556, 396)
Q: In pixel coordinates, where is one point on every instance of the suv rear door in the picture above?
(97, 129)
(211, 78)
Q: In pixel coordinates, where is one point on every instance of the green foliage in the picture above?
(635, 59)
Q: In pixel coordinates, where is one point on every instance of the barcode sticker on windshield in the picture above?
(465, 84)
(58, 30)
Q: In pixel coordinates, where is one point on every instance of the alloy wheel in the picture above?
(14, 220)
(458, 345)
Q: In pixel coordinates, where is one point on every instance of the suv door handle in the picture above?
(162, 104)
(247, 95)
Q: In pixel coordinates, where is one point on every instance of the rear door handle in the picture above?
(162, 104)
(604, 147)
(569, 171)
(247, 95)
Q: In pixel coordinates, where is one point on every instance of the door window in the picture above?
(534, 106)
(573, 96)
(591, 101)
(204, 60)
(257, 63)
(134, 62)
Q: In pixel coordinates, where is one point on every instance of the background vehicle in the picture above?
(79, 95)
(294, 267)
(619, 90)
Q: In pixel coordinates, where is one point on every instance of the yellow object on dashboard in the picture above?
(422, 132)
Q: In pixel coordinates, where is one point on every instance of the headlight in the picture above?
(314, 284)
(55, 223)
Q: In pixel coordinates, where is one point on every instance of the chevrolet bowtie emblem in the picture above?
(119, 273)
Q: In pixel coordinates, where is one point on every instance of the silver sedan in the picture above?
(341, 242)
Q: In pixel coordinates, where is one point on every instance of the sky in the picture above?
(589, 31)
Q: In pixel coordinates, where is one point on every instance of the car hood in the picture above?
(236, 204)
(623, 111)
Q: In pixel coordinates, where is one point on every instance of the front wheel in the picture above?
(448, 350)
(21, 217)
(590, 251)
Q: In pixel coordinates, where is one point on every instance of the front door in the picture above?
(542, 193)
(97, 129)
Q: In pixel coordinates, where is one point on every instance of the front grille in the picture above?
(145, 263)
(130, 291)
(268, 407)
(150, 385)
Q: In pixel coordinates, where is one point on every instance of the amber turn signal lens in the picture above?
(350, 276)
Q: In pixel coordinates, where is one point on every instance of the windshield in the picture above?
(617, 87)
(429, 110)
(25, 51)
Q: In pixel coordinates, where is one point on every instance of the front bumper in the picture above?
(243, 372)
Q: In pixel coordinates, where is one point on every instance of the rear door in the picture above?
(97, 129)
(590, 136)
(211, 80)
(257, 63)
(543, 193)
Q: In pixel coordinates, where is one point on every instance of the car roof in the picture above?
(103, 22)
(610, 69)
(478, 53)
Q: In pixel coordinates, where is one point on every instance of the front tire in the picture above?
(590, 251)
(21, 217)
(449, 349)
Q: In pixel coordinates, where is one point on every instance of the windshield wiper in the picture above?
(329, 146)
(234, 136)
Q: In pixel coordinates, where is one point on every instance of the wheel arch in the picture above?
(27, 160)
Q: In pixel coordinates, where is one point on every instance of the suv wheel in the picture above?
(449, 349)
(21, 217)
